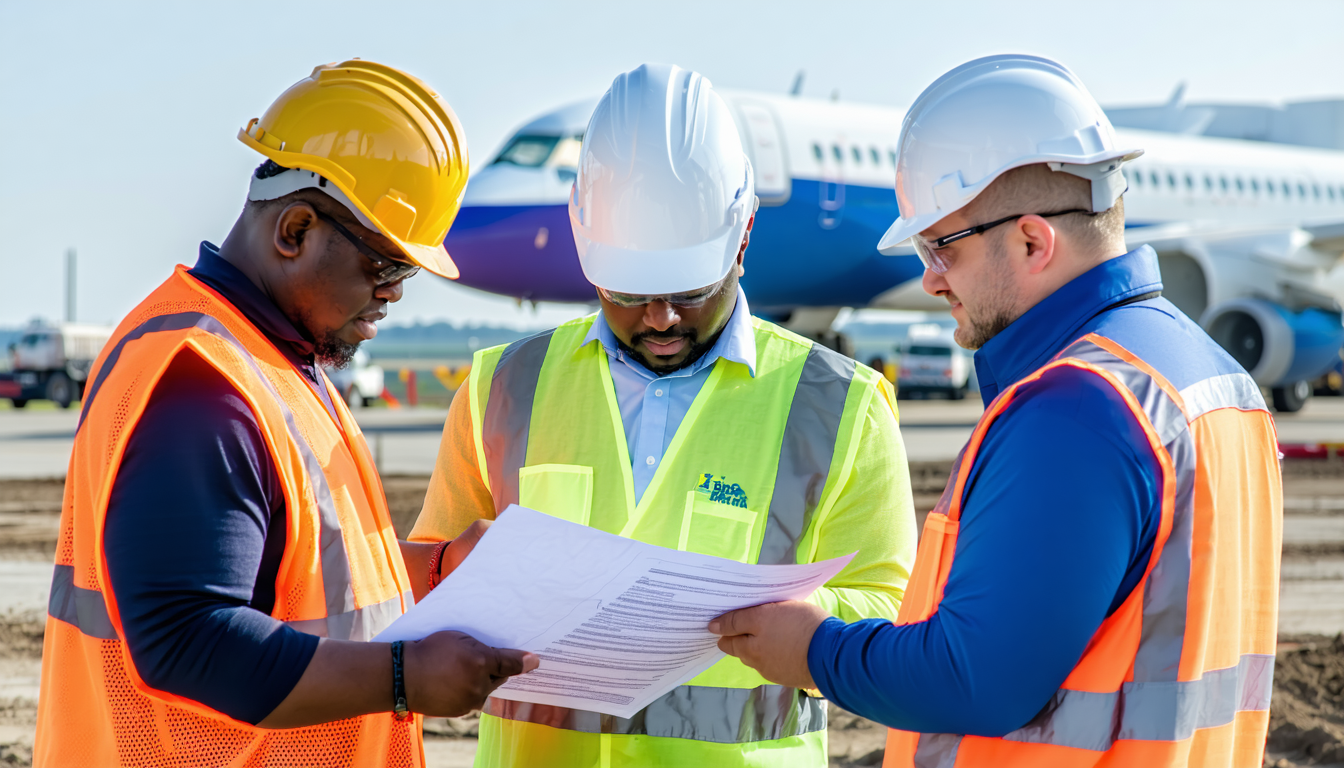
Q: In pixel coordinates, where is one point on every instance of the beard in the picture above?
(332, 352)
(697, 348)
(994, 309)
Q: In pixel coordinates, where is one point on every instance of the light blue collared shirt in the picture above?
(653, 406)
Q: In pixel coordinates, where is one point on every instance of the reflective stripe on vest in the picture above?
(721, 715)
(343, 620)
(703, 713)
(82, 608)
(508, 416)
(1152, 704)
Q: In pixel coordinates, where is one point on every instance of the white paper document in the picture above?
(617, 622)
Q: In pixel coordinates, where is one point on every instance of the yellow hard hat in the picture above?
(389, 144)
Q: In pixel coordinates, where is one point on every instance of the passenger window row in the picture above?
(1172, 180)
(1151, 178)
(873, 156)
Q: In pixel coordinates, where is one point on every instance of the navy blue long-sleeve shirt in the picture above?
(1059, 518)
(196, 528)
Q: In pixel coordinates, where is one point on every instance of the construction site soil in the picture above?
(1306, 719)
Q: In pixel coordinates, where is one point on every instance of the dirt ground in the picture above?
(1306, 719)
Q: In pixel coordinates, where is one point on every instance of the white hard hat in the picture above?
(989, 116)
(664, 190)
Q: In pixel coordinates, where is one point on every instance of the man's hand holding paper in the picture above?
(616, 622)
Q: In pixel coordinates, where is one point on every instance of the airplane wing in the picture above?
(1327, 238)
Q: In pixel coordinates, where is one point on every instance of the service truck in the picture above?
(932, 362)
(360, 382)
(52, 362)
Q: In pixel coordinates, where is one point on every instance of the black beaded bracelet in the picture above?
(399, 708)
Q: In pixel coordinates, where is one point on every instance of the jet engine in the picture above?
(1280, 348)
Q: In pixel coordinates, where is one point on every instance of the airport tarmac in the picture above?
(35, 447)
(36, 443)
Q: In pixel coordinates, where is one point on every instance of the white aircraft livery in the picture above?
(1244, 205)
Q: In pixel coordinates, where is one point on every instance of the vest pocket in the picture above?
(722, 530)
(559, 490)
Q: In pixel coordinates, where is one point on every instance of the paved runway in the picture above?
(36, 443)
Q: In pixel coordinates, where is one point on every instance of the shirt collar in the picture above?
(243, 294)
(1044, 330)
(737, 342)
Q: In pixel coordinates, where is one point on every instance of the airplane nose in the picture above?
(512, 235)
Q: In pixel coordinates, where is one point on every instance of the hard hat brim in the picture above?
(673, 270)
(649, 273)
(903, 229)
(432, 257)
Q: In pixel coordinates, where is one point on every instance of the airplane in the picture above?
(1247, 231)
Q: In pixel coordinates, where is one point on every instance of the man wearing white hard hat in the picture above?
(676, 418)
(1098, 584)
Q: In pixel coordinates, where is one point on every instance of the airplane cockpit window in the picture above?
(567, 152)
(1316, 191)
(1189, 182)
(1138, 178)
(817, 153)
(1330, 193)
(1269, 187)
(1153, 177)
(1171, 179)
(1222, 182)
(891, 155)
(837, 153)
(877, 157)
(1208, 184)
(1302, 190)
(1255, 186)
(529, 151)
(1287, 190)
(858, 154)
(1241, 185)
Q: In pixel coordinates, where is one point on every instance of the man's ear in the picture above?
(1039, 240)
(741, 252)
(292, 226)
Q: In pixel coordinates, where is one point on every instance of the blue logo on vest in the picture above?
(721, 490)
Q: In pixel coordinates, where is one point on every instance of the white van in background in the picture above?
(931, 362)
(360, 382)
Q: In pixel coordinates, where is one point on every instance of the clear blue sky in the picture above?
(118, 120)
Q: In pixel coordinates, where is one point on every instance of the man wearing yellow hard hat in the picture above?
(225, 550)
(676, 418)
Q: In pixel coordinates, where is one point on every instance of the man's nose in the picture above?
(935, 284)
(659, 315)
(391, 292)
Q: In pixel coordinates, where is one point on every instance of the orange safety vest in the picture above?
(1181, 673)
(341, 575)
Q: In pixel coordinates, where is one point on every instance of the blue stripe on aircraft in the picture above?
(818, 249)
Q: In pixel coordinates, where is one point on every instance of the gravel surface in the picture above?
(1306, 721)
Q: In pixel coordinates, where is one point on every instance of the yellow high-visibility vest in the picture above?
(750, 475)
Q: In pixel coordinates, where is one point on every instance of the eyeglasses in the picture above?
(939, 265)
(688, 300)
(389, 270)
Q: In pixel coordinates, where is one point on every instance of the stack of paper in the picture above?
(617, 623)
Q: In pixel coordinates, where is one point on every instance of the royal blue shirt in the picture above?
(1059, 517)
(196, 527)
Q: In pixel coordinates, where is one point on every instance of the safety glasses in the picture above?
(389, 270)
(938, 264)
(688, 300)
